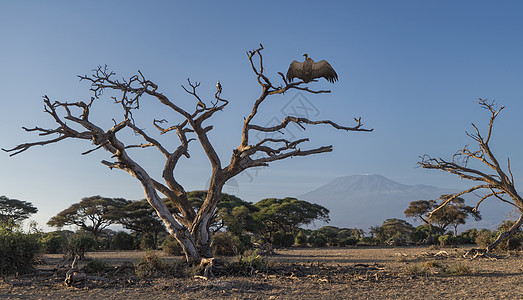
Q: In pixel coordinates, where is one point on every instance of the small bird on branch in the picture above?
(310, 70)
(219, 87)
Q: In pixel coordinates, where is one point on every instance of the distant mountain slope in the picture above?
(367, 200)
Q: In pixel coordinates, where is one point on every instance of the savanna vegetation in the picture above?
(202, 227)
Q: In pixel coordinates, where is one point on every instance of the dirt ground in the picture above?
(327, 273)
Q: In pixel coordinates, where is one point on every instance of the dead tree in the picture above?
(190, 227)
(494, 179)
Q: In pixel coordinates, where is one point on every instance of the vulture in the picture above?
(219, 87)
(310, 70)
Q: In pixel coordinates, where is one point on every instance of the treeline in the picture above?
(237, 226)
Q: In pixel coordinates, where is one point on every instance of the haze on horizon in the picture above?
(412, 70)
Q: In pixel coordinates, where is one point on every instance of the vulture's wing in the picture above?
(295, 70)
(325, 70)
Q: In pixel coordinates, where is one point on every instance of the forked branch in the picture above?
(496, 181)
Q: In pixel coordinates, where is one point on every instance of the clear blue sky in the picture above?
(411, 69)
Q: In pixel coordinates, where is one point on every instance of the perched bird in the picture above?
(310, 70)
(219, 87)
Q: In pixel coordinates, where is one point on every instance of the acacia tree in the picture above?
(92, 214)
(139, 217)
(392, 229)
(13, 211)
(189, 227)
(455, 213)
(286, 215)
(493, 178)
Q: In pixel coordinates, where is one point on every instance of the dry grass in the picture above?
(345, 273)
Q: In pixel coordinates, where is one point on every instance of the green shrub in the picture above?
(150, 265)
(171, 246)
(484, 238)
(282, 239)
(79, 244)
(148, 242)
(468, 236)
(53, 242)
(226, 244)
(249, 264)
(368, 241)
(122, 241)
(17, 251)
(512, 242)
(420, 234)
(301, 239)
(317, 241)
(446, 240)
(254, 261)
(96, 266)
(348, 241)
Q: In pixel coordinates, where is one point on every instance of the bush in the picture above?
(447, 240)
(458, 269)
(79, 244)
(150, 265)
(420, 234)
(368, 241)
(398, 241)
(301, 239)
(148, 242)
(122, 241)
(484, 238)
(226, 244)
(171, 246)
(248, 265)
(53, 242)
(512, 242)
(254, 261)
(317, 241)
(468, 236)
(348, 241)
(96, 266)
(17, 251)
(282, 239)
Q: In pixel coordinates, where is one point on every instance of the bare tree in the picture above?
(495, 180)
(189, 227)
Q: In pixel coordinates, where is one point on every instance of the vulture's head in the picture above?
(306, 56)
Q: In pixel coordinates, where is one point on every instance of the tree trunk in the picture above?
(505, 234)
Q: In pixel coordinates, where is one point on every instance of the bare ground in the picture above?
(328, 273)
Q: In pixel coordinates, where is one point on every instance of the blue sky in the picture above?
(411, 69)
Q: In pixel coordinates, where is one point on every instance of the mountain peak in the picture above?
(360, 184)
(367, 200)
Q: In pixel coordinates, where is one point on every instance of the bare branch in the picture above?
(300, 121)
(151, 141)
(23, 147)
(450, 198)
(191, 228)
(298, 152)
(498, 183)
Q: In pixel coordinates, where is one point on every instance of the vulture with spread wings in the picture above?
(310, 70)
